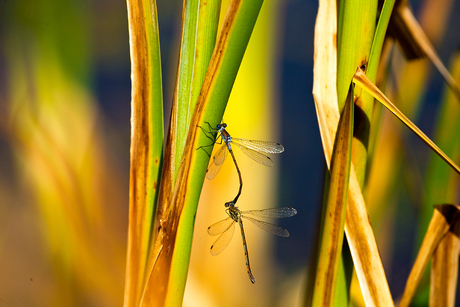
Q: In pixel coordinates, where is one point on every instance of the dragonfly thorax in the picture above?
(234, 213)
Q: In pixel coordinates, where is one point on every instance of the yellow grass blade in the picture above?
(146, 141)
(443, 217)
(361, 79)
(333, 225)
(364, 250)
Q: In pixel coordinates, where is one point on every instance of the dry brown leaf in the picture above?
(139, 186)
(444, 269)
(364, 249)
(443, 217)
(325, 75)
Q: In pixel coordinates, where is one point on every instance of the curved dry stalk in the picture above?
(361, 79)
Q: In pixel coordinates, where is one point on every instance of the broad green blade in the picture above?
(200, 20)
(357, 21)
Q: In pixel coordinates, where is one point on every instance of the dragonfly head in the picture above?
(220, 126)
(229, 204)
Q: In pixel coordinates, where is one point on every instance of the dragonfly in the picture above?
(253, 149)
(226, 228)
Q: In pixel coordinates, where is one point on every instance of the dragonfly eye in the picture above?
(218, 126)
(224, 125)
(229, 204)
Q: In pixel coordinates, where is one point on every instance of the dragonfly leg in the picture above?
(208, 132)
(210, 127)
(217, 141)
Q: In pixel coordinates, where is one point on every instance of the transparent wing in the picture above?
(219, 227)
(263, 146)
(216, 162)
(255, 155)
(223, 240)
(274, 212)
(271, 228)
(221, 154)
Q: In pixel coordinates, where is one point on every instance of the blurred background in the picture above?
(65, 138)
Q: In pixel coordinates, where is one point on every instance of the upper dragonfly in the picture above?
(253, 149)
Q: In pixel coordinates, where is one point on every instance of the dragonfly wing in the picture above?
(273, 212)
(221, 154)
(255, 155)
(263, 146)
(216, 162)
(271, 228)
(223, 240)
(219, 227)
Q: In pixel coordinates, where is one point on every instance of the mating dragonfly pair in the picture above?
(225, 228)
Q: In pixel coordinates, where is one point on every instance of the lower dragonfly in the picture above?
(253, 149)
(226, 228)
